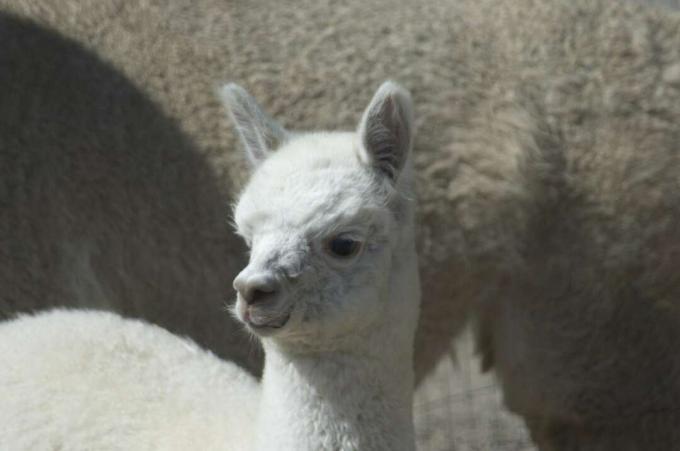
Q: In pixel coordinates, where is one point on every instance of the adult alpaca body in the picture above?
(106, 203)
(546, 170)
(331, 290)
(451, 56)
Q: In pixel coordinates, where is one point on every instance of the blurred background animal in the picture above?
(547, 176)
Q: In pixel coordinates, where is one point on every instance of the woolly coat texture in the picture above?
(546, 156)
(108, 383)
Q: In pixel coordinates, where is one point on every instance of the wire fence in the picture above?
(457, 408)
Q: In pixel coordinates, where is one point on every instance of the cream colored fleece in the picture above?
(547, 155)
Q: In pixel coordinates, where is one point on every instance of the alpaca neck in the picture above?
(336, 401)
(357, 396)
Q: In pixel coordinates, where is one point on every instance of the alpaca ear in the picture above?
(259, 133)
(386, 129)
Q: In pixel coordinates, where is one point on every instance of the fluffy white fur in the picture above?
(338, 332)
(547, 174)
(87, 380)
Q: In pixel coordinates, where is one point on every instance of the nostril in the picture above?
(259, 295)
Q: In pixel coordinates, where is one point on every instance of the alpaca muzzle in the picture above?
(261, 302)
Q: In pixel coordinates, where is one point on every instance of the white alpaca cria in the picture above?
(331, 290)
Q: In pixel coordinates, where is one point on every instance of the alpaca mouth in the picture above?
(268, 325)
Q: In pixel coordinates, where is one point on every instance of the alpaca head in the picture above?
(327, 217)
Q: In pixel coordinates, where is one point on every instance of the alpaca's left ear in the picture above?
(386, 129)
(259, 133)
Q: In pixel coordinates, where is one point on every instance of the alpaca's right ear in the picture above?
(259, 133)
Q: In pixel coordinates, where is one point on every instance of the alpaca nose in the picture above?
(257, 288)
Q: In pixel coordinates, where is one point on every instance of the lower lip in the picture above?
(254, 326)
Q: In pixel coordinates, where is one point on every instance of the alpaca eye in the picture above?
(343, 246)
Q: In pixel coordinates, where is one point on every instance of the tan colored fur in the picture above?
(548, 170)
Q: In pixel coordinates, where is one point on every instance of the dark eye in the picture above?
(343, 247)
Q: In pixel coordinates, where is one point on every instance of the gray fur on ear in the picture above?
(259, 133)
(386, 129)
